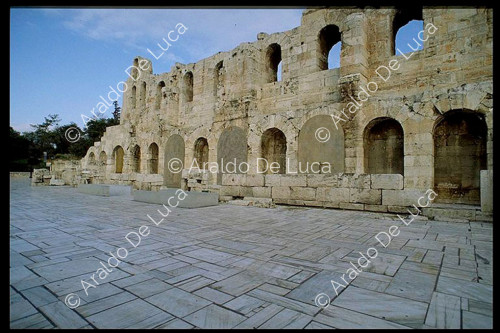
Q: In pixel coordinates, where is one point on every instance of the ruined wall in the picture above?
(236, 91)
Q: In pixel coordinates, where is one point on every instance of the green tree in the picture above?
(116, 113)
(71, 139)
(96, 128)
(67, 140)
(21, 155)
(44, 136)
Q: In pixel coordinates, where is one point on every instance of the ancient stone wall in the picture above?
(401, 124)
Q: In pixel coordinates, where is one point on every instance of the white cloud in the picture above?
(209, 30)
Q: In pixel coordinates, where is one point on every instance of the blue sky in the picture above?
(62, 60)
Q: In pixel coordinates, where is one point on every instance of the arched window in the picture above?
(218, 78)
(91, 159)
(273, 60)
(143, 94)
(102, 158)
(201, 152)
(459, 156)
(159, 94)
(135, 71)
(405, 28)
(136, 159)
(384, 147)
(133, 95)
(273, 149)
(153, 158)
(118, 159)
(188, 87)
(330, 44)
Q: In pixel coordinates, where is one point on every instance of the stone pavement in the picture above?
(238, 267)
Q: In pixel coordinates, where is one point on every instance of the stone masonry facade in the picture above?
(397, 124)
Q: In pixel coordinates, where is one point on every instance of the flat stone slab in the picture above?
(192, 200)
(413, 285)
(214, 317)
(396, 309)
(104, 189)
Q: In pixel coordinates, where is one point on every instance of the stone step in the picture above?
(105, 190)
(178, 198)
(251, 201)
(456, 213)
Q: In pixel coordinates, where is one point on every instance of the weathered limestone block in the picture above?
(407, 197)
(387, 181)
(351, 206)
(376, 208)
(295, 202)
(487, 191)
(246, 191)
(272, 180)
(372, 197)
(39, 175)
(322, 180)
(293, 180)
(354, 180)
(332, 194)
(192, 182)
(56, 182)
(397, 209)
(254, 180)
(228, 190)
(261, 192)
(258, 202)
(303, 193)
(312, 203)
(233, 179)
(331, 204)
(280, 192)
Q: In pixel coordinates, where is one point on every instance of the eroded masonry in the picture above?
(424, 122)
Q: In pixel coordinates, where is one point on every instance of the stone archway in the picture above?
(118, 154)
(384, 147)
(459, 155)
(231, 148)
(174, 161)
(273, 148)
(201, 152)
(153, 158)
(136, 159)
(321, 143)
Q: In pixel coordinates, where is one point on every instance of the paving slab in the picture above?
(214, 317)
(338, 317)
(444, 311)
(397, 309)
(413, 285)
(129, 315)
(178, 302)
(473, 290)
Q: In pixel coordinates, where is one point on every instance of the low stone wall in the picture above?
(68, 171)
(139, 181)
(372, 192)
(20, 174)
(104, 190)
(41, 177)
